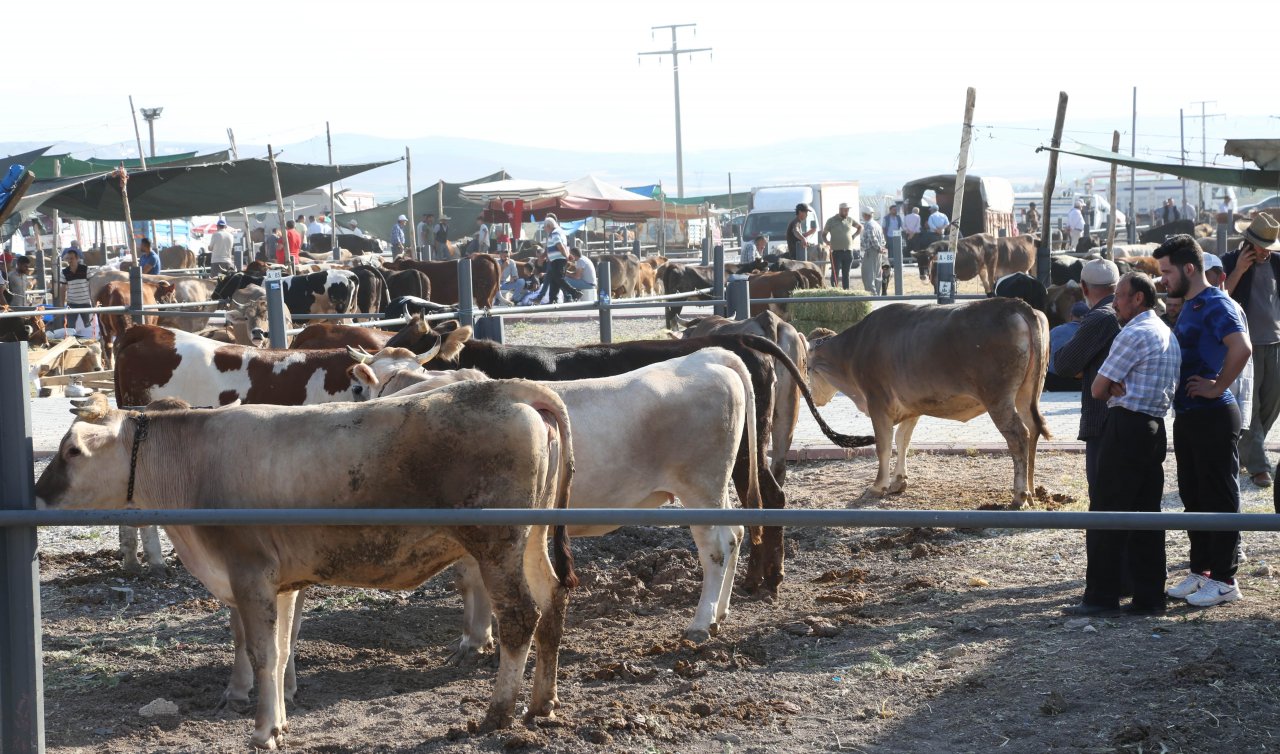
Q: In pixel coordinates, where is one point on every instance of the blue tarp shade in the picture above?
(162, 193)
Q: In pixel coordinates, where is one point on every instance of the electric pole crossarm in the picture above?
(675, 53)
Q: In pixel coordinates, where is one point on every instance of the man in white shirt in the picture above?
(221, 260)
(581, 273)
(482, 236)
(1075, 225)
(911, 223)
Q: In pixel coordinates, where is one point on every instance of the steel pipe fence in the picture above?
(791, 518)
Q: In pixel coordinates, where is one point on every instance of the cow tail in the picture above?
(757, 343)
(753, 462)
(561, 555)
(1038, 324)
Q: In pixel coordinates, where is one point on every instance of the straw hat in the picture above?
(1264, 232)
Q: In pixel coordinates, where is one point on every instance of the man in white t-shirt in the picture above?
(1075, 226)
(581, 273)
(221, 260)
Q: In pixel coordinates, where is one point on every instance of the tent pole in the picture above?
(247, 244)
(1111, 197)
(440, 211)
(962, 168)
(275, 179)
(414, 252)
(333, 206)
(123, 175)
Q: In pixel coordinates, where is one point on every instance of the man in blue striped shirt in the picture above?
(1137, 379)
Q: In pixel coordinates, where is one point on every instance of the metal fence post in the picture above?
(895, 260)
(21, 660)
(604, 298)
(489, 328)
(466, 294)
(717, 278)
(612, 242)
(946, 269)
(1222, 236)
(41, 282)
(706, 250)
(1131, 226)
(635, 246)
(739, 297)
(135, 294)
(275, 312)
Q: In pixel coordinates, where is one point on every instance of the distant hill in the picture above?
(882, 161)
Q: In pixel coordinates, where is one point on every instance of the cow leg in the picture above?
(1016, 435)
(290, 671)
(902, 442)
(502, 569)
(260, 616)
(883, 429)
(765, 563)
(552, 599)
(237, 691)
(786, 412)
(477, 615)
(286, 604)
(151, 549)
(129, 549)
(717, 546)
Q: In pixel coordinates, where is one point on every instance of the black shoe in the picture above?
(1087, 610)
(1138, 609)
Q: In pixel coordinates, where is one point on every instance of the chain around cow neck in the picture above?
(141, 421)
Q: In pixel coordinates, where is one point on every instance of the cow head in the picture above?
(341, 287)
(166, 292)
(91, 469)
(247, 316)
(822, 389)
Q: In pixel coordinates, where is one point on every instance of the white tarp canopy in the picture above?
(513, 188)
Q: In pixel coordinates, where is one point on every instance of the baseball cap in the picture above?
(1212, 262)
(844, 205)
(1079, 309)
(802, 207)
(222, 223)
(402, 219)
(1100, 272)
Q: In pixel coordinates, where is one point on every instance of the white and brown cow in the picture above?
(409, 453)
(154, 363)
(701, 405)
(954, 362)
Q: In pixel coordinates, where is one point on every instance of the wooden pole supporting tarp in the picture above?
(1044, 255)
(275, 179)
(1111, 198)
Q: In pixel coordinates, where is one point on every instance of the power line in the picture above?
(675, 52)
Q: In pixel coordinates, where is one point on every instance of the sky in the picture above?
(566, 75)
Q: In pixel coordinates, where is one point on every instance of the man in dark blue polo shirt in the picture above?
(1206, 426)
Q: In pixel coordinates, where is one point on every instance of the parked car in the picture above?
(1271, 202)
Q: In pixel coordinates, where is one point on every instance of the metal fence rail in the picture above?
(862, 518)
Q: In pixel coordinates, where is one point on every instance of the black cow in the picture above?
(233, 282)
(1159, 233)
(407, 283)
(1023, 286)
(372, 295)
(407, 306)
(682, 278)
(606, 360)
(1064, 268)
(321, 292)
(353, 243)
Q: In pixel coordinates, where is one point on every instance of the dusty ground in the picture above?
(881, 641)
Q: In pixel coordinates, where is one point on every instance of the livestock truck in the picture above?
(773, 208)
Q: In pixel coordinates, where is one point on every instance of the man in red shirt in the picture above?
(295, 244)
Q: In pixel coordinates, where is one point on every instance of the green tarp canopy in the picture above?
(462, 214)
(1242, 177)
(719, 201)
(44, 168)
(168, 192)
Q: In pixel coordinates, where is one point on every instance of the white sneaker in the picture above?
(1188, 586)
(1215, 593)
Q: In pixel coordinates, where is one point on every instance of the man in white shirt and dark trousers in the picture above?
(221, 243)
(1137, 380)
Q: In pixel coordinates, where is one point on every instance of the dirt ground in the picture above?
(881, 641)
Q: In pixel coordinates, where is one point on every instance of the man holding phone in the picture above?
(1253, 280)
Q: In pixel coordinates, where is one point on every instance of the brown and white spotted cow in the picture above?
(409, 453)
(116, 293)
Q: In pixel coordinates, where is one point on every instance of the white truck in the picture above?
(774, 207)
(1094, 207)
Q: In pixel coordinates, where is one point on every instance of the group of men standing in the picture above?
(842, 231)
(1134, 367)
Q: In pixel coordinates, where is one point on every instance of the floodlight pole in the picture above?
(149, 114)
(674, 52)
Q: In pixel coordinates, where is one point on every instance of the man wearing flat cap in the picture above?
(1085, 352)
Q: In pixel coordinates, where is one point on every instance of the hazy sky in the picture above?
(566, 74)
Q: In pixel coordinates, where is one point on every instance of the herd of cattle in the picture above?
(429, 417)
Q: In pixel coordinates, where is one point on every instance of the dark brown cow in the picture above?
(778, 285)
(485, 275)
(626, 275)
(988, 258)
(117, 293)
(326, 335)
(407, 283)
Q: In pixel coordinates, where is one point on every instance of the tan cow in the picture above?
(186, 289)
(954, 362)
(410, 452)
(786, 401)
(987, 258)
(118, 293)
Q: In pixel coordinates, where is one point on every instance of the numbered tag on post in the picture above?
(946, 257)
(273, 273)
(944, 289)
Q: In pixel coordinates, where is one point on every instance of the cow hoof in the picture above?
(697, 635)
(898, 485)
(132, 566)
(235, 705)
(546, 710)
(156, 571)
(494, 721)
(468, 656)
(1018, 505)
(270, 742)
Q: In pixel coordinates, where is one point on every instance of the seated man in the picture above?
(1059, 337)
(581, 273)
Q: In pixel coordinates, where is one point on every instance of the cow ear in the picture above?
(364, 374)
(453, 344)
(446, 327)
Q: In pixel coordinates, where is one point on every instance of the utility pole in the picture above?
(150, 114)
(1204, 141)
(1182, 152)
(675, 52)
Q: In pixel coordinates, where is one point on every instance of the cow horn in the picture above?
(686, 322)
(359, 355)
(429, 355)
